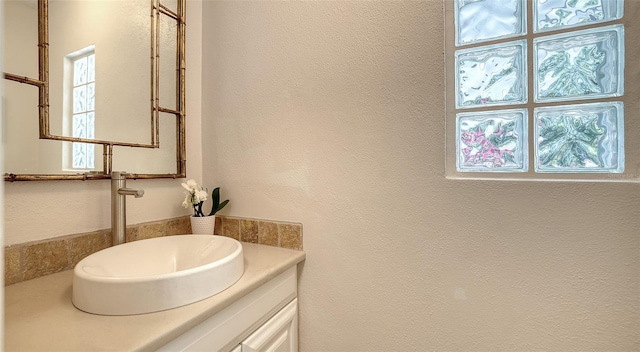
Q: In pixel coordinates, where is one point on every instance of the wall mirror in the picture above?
(94, 86)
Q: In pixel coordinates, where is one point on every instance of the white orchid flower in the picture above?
(201, 195)
(190, 186)
(194, 197)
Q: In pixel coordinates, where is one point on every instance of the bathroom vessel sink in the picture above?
(156, 274)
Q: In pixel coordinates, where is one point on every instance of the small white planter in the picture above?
(203, 225)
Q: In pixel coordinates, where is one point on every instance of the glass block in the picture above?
(80, 71)
(491, 75)
(558, 14)
(79, 155)
(583, 64)
(91, 125)
(492, 141)
(91, 68)
(579, 138)
(91, 96)
(79, 99)
(483, 20)
(79, 128)
(90, 153)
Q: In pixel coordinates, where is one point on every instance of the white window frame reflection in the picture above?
(79, 115)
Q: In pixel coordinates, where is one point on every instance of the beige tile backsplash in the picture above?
(28, 261)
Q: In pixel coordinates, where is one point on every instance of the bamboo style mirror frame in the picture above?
(159, 112)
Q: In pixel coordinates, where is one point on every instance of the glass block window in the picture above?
(579, 138)
(491, 75)
(83, 102)
(483, 20)
(492, 140)
(554, 14)
(540, 96)
(584, 64)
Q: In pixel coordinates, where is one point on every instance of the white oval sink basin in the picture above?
(156, 274)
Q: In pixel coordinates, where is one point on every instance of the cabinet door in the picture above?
(237, 349)
(278, 334)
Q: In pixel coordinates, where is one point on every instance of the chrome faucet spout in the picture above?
(119, 191)
(138, 193)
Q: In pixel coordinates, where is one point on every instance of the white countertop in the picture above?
(39, 315)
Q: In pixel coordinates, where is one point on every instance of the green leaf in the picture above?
(215, 198)
(222, 205)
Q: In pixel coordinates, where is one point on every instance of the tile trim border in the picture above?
(30, 260)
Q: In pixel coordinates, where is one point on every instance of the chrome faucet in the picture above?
(119, 206)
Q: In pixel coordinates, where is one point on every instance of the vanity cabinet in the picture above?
(266, 319)
(279, 334)
(256, 313)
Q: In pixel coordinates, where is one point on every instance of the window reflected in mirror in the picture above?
(104, 82)
(79, 108)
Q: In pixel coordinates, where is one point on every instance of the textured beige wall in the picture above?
(41, 210)
(332, 114)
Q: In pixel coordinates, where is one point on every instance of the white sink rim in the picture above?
(116, 293)
(78, 270)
